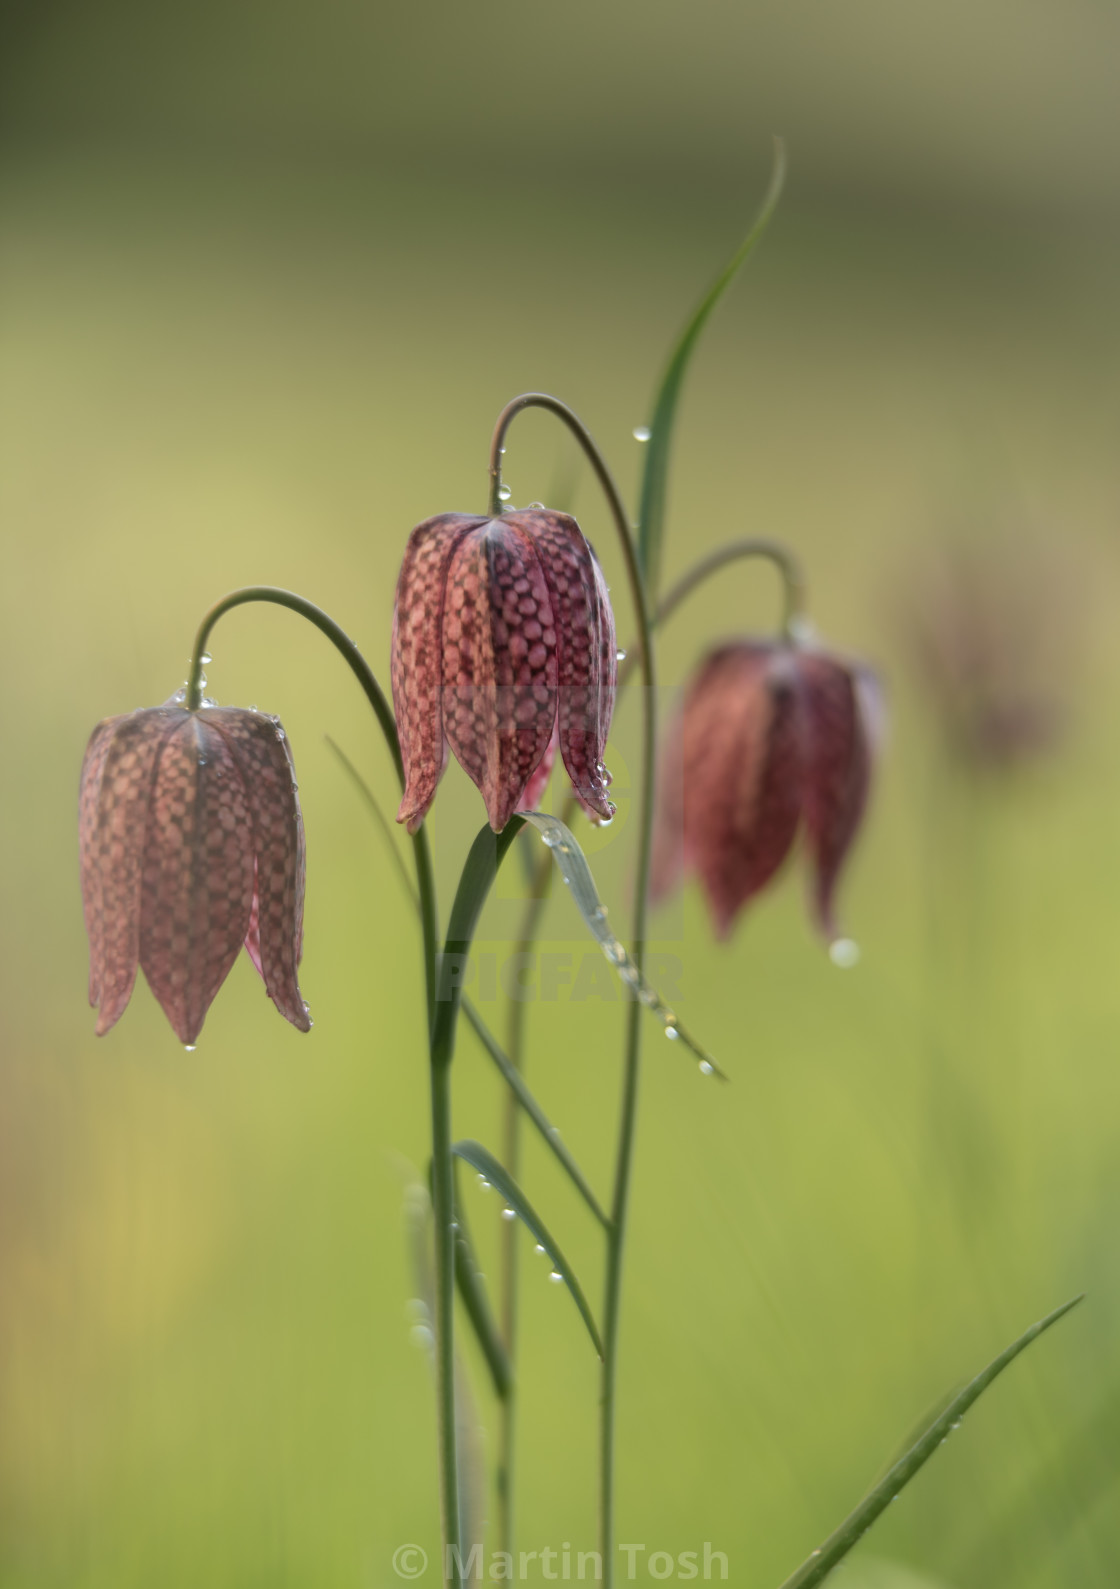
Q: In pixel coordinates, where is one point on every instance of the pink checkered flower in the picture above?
(503, 649)
(191, 845)
(772, 737)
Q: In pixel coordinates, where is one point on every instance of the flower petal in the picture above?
(274, 926)
(743, 763)
(499, 662)
(533, 792)
(116, 786)
(839, 729)
(198, 872)
(587, 658)
(416, 651)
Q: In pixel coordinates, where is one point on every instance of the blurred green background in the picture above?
(267, 274)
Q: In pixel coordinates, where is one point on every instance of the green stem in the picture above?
(616, 1230)
(793, 580)
(429, 918)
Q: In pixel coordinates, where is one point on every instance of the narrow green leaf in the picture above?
(479, 1158)
(816, 1568)
(379, 817)
(651, 517)
(509, 1071)
(520, 1089)
(479, 871)
(476, 1303)
(577, 874)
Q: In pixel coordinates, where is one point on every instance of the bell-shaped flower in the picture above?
(503, 646)
(191, 845)
(771, 737)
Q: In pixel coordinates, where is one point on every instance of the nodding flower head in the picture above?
(503, 648)
(771, 737)
(191, 845)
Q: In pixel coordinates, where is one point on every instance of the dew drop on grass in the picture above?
(509, 1213)
(189, 1048)
(619, 656)
(484, 1183)
(844, 952)
(556, 1276)
(706, 1068)
(539, 1249)
(641, 432)
(504, 493)
(206, 659)
(421, 1336)
(671, 1033)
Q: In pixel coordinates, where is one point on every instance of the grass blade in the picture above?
(577, 874)
(476, 1303)
(518, 1086)
(480, 1159)
(814, 1570)
(651, 516)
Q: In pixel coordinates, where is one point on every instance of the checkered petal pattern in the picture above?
(191, 844)
(771, 738)
(503, 646)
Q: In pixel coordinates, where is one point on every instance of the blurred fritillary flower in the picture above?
(990, 629)
(771, 737)
(191, 845)
(503, 649)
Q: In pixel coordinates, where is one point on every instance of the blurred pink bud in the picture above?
(771, 737)
(191, 844)
(503, 641)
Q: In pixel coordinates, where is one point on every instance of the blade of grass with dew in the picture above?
(655, 475)
(476, 1302)
(482, 1160)
(577, 874)
(508, 1070)
(817, 1566)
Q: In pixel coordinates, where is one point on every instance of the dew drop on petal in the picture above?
(189, 1048)
(641, 432)
(619, 656)
(843, 952)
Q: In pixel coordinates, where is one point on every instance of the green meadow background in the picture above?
(267, 274)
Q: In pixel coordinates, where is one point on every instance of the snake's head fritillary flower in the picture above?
(191, 845)
(772, 737)
(503, 647)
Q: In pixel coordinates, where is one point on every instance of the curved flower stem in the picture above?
(374, 694)
(793, 580)
(442, 1196)
(617, 1228)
